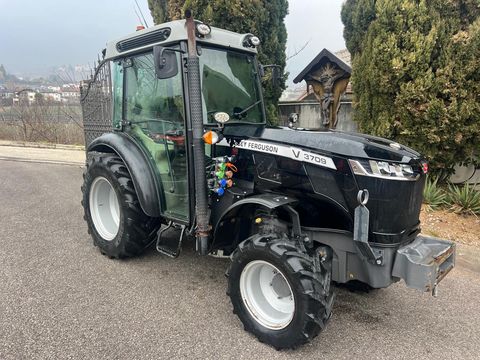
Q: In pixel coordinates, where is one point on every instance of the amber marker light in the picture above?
(211, 137)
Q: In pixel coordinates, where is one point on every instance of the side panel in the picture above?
(140, 169)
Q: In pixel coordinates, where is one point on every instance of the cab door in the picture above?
(154, 110)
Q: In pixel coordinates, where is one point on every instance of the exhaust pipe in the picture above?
(194, 89)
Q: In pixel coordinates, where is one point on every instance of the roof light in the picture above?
(203, 29)
(255, 41)
(140, 27)
(251, 41)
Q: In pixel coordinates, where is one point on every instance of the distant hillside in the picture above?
(57, 75)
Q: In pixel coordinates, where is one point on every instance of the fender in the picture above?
(140, 168)
(270, 201)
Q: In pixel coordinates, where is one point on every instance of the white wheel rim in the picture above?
(104, 208)
(267, 295)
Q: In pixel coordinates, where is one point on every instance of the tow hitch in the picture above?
(424, 262)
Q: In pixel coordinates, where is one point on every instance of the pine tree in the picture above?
(416, 74)
(264, 18)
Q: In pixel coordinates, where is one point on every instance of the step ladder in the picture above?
(167, 246)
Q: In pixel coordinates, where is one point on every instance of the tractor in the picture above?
(176, 138)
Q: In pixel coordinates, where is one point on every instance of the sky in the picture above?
(37, 35)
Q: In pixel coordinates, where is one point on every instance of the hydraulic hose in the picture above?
(194, 89)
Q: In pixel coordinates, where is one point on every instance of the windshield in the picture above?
(229, 84)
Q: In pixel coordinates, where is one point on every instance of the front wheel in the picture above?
(280, 293)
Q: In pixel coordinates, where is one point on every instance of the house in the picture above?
(70, 93)
(6, 97)
(26, 96)
(51, 96)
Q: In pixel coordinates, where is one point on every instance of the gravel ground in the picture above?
(60, 298)
(463, 229)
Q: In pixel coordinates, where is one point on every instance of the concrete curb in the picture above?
(41, 145)
(50, 162)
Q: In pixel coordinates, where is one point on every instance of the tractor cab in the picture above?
(150, 96)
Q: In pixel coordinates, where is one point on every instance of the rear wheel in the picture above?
(115, 219)
(280, 293)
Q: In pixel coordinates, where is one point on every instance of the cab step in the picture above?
(168, 245)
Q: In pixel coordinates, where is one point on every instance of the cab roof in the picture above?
(172, 32)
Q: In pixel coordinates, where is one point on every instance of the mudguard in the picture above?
(270, 201)
(144, 180)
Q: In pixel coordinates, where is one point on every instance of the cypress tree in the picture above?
(159, 10)
(416, 72)
(264, 18)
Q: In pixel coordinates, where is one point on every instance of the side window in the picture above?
(156, 105)
(155, 109)
(117, 77)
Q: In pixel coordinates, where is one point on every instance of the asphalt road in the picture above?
(60, 298)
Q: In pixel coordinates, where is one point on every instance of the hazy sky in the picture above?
(38, 34)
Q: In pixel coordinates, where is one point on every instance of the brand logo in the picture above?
(288, 152)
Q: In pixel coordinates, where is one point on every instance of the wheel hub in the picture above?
(280, 286)
(104, 208)
(267, 295)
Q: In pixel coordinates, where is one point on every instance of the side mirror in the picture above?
(276, 73)
(261, 71)
(165, 60)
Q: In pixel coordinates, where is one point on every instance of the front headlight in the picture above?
(383, 169)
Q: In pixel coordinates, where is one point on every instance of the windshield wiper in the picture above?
(247, 109)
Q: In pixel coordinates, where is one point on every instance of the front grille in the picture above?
(394, 208)
(144, 39)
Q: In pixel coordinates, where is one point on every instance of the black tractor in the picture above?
(176, 138)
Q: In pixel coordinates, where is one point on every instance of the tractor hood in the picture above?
(349, 145)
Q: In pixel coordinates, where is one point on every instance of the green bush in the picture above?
(416, 74)
(464, 199)
(434, 196)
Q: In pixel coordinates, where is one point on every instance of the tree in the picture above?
(3, 73)
(416, 74)
(159, 10)
(264, 18)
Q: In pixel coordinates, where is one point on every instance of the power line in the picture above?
(141, 13)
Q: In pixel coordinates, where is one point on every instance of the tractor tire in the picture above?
(116, 222)
(278, 292)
